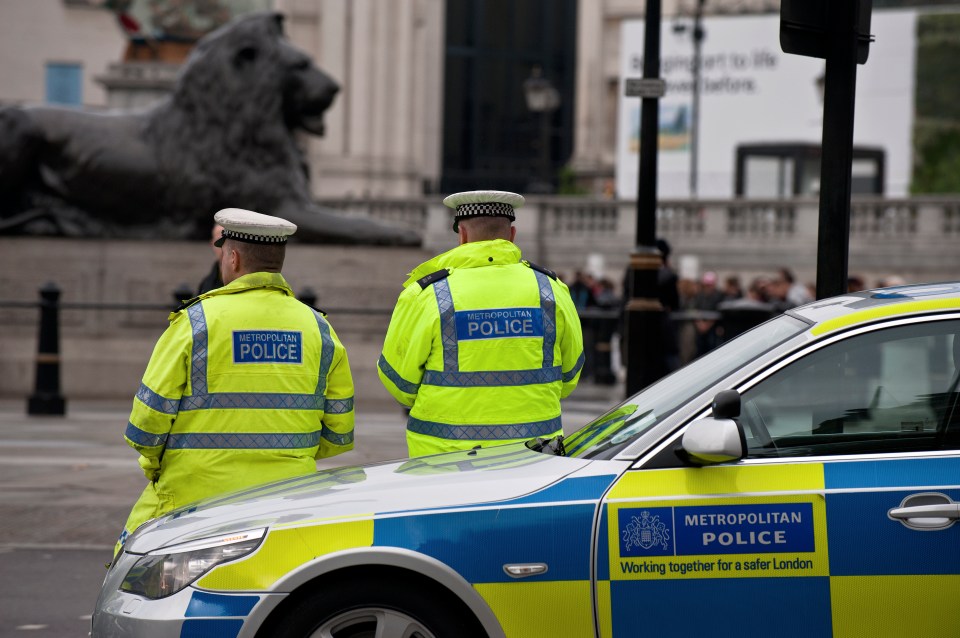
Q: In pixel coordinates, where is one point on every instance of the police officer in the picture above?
(247, 384)
(482, 345)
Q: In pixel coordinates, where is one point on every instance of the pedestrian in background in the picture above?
(247, 385)
(213, 278)
(582, 291)
(481, 345)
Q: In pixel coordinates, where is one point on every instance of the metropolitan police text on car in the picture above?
(499, 323)
(725, 529)
(267, 346)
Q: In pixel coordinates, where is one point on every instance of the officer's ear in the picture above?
(513, 232)
(230, 263)
(462, 231)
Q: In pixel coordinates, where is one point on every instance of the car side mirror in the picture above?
(709, 441)
(717, 438)
(726, 404)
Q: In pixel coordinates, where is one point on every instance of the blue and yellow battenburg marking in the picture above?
(679, 545)
(706, 540)
(553, 525)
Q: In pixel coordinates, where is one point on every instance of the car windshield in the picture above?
(604, 437)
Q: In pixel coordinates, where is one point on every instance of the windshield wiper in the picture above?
(552, 445)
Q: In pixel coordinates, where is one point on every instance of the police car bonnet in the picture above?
(252, 228)
(483, 203)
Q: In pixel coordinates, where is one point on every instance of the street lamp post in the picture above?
(543, 98)
(698, 35)
(644, 313)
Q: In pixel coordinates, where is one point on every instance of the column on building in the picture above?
(596, 97)
(383, 133)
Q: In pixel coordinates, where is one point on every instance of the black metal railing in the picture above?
(47, 397)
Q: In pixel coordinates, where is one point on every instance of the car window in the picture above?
(893, 389)
(610, 433)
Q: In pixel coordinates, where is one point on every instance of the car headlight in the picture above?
(166, 571)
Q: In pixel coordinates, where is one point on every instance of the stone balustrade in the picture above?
(914, 238)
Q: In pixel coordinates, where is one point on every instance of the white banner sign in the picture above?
(753, 93)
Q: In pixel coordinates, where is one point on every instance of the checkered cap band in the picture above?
(491, 209)
(253, 239)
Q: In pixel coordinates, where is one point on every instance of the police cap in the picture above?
(252, 228)
(483, 203)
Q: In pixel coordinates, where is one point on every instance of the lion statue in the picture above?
(225, 137)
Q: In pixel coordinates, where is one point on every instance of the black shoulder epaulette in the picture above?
(186, 303)
(549, 273)
(433, 278)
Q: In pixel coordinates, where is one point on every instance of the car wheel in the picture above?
(370, 609)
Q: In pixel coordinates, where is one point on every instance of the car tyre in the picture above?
(365, 609)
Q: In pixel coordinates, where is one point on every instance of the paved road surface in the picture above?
(67, 484)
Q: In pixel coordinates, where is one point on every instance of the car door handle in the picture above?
(926, 512)
(950, 511)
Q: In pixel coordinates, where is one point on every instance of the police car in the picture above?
(801, 480)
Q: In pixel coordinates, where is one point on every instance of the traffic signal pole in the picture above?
(839, 32)
(840, 87)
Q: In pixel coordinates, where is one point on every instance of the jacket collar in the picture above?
(494, 252)
(250, 281)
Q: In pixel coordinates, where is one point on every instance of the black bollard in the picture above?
(46, 397)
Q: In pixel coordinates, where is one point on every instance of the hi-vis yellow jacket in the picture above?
(247, 385)
(482, 346)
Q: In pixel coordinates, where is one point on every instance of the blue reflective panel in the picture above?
(497, 378)
(402, 384)
(549, 306)
(242, 441)
(142, 437)
(568, 376)
(338, 406)
(335, 437)
(157, 402)
(448, 326)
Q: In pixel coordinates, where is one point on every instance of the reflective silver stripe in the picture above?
(336, 438)
(198, 357)
(495, 432)
(548, 304)
(338, 406)
(142, 437)
(568, 376)
(157, 402)
(326, 353)
(251, 441)
(493, 378)
(402, 384)
(251, 400)
(448, 326)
